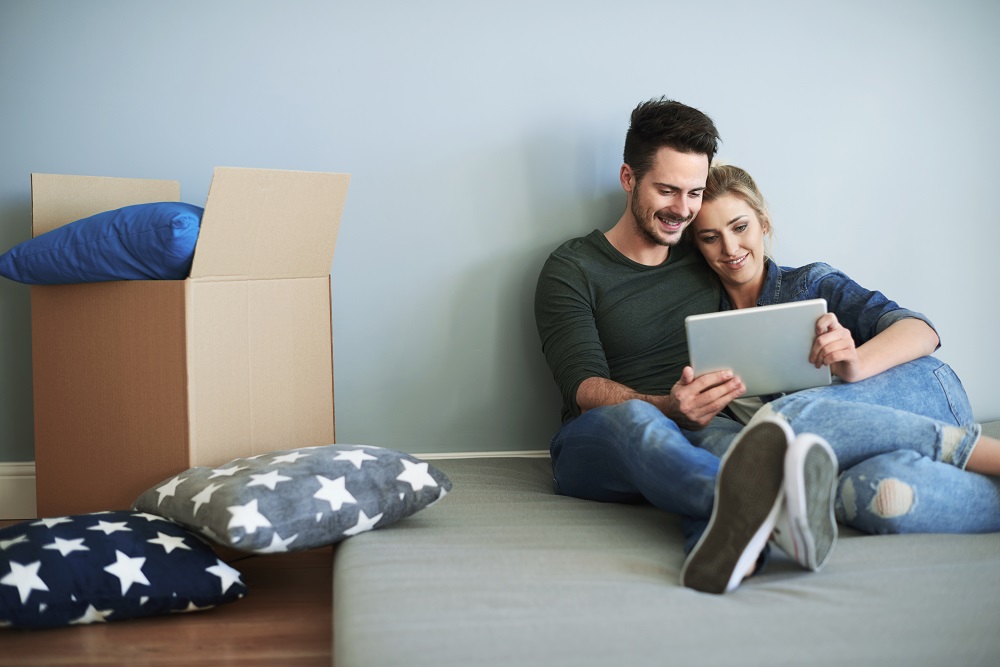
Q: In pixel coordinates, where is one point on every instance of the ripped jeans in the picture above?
(902, 439)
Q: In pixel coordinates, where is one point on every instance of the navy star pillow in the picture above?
(298, 498)
(107, 566)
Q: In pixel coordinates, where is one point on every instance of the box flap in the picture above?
(58, 199)
(265, 223)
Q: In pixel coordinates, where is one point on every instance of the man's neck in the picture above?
(627, 239)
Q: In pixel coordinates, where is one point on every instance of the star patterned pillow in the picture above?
(299, 498)
(107, 566)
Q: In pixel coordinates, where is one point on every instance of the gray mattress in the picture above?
(504, 572)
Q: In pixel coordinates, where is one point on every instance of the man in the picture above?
(610, 311)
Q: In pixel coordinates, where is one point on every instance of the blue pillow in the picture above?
(139, 242)
(107, 566)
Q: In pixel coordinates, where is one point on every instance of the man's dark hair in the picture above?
(662, 122)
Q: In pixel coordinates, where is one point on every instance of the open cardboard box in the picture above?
(135, 381)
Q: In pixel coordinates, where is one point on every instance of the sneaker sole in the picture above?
(747, 501)
(814, 521)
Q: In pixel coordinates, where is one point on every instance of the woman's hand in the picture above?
(834, 347)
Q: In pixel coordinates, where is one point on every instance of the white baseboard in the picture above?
(17, 491)
(524, 453)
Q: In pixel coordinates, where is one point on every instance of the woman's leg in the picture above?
(903, 492)
(924, 386)
(858, 431)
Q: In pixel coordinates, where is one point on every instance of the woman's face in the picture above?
(731, 238)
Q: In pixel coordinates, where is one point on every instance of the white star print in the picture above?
(277, 544)
(355, 456)
(93, 615)
(190, 608)
(204, 496)
(335, 492)
(169, 542)
(66, 547)
(48, 523)
(169, 489)
(416, 475)
(128, 570)
(108, 527)
(25, 578)
(226, 472)
(270, 480)
(227, 575)
(290, 457)
(247, 517)
(363, 524)
(442, 494)
(148, 517)
(20, 539)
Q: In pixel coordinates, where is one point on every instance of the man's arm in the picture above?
(691, 403)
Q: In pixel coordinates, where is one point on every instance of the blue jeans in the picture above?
(632, 453)
(893, 479)
(902, 439)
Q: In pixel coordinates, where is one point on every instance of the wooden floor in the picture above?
(285, 620)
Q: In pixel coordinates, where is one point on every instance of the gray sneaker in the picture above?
(806, 528)
(748, 496)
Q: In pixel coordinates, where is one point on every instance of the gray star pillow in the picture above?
(299, 498)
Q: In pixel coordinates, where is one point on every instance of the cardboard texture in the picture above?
(135, 381)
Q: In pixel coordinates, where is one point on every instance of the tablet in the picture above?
(767, 347)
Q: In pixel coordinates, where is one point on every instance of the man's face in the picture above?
(669, 195)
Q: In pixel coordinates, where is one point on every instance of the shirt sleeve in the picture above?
(866, 313)
(564, 315)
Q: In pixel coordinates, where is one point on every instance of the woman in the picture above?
(898, 420)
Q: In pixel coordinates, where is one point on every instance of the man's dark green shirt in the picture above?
(599, 314)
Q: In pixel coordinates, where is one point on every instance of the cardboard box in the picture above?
(135, 381)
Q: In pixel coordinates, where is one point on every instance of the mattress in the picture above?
(504, 572)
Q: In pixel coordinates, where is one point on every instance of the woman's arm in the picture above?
(902, 341)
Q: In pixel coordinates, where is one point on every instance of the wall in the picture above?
(481, 135)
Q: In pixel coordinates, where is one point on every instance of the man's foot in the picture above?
(748, 496)
(806, 528)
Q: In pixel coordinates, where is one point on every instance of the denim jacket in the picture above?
(864, 312)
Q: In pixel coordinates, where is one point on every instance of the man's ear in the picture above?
(627, 178)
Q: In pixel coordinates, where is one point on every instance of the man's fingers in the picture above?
(708, 380)
(708, 403)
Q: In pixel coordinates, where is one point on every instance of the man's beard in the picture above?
(646, 221)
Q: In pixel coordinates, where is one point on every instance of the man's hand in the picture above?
(834, 347)
(693, 401)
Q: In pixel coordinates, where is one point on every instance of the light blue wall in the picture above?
(480, 135)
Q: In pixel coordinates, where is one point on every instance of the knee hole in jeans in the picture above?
(893, 498)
